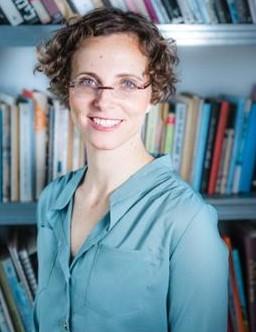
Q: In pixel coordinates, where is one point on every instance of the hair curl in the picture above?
(54, 56)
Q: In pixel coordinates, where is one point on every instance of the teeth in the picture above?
(106, 123)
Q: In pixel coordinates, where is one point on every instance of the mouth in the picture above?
(101, 123)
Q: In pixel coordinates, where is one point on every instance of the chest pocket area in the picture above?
(47, 253)
(120, 281)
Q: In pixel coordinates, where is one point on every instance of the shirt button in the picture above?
(66, 328)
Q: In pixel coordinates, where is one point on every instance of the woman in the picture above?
(123, 244)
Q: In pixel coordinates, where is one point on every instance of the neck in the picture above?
(108, 169)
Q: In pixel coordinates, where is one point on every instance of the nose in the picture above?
(104, 96)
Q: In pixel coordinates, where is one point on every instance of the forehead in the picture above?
(109, 54)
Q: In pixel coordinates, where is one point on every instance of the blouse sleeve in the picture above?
(198, 287)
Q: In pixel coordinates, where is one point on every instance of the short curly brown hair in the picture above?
(55, 55)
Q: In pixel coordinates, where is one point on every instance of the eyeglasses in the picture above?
(88, 86)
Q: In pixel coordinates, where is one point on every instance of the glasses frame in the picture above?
(72, 84)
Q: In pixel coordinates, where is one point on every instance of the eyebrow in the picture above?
(119, 75)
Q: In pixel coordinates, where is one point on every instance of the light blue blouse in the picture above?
(154, 263)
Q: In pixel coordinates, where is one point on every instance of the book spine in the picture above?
(222, 123)
(6, 152)
(41, 11)
(27, 11)
(243, 11)
(176, 13)
(239, 115)
(29, 272)
(199, 150)
(233, 11)
(1, 157)
(11, 12)
(249, 155)
(221, 11)
(82, 7)
(209, 146)
(180, 115)
(252, 8)
(53, 11)
(3, 18)
(151, 11)
(6, 312)
(24, 306)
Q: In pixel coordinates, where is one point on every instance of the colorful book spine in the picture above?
(200, 145)
(239, 119)
(180, 116)
(249, 155)
(222, 123)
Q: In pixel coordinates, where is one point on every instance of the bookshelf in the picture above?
(188, 35)
(185, 34)
(232, 207)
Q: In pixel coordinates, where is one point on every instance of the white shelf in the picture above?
(184, 34)
(210, 35)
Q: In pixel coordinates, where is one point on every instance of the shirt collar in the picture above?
(128, 192)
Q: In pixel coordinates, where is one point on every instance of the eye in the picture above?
(87, 82)
(128, 84)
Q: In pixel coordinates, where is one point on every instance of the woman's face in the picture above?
(113, 60)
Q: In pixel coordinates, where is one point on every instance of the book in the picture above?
(240, 286)
(10, 300)
(12, 246)
(65, 9)
(27, 11)
(24, 258)
(241, 147)
(179, 130)
(7, 326)
(23, 304)
(200, 144)
(151, 10)
(218, 141)
(27, 149)
(226, 157)
(252, 8)
(214, 118)
(239, 119)
(53, 11)
(82, 7)
(14, 145)
(11, 12)
(248, 159)
(41, 11)
(173, 11)
(192, 102)
(243, 237)
(6, 152)
(3, 18)
(243, 11)
(234, 300)
(40, 100)
(222, 12)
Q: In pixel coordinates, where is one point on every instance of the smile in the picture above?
(108, 123)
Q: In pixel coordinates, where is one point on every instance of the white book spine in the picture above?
(25, 154)
(82, 7)
(180, 123)
(11, 12)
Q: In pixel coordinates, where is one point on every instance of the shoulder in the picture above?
(53, 191)
(184, 206)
